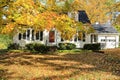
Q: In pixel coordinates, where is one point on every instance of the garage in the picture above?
(109, 42)
(107, 35)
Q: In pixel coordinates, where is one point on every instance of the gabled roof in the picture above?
(104, 28)
(83, 17)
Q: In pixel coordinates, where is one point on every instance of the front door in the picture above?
(51, 36)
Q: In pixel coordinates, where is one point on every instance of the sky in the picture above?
(117, 0)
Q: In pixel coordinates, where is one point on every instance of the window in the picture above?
(75, 38)
(37, 35)
(94, 38)
(73, 14)
(19, 36)
(41, 35)
(83, 37)
(62, 39)
(79, 36)
(32, 35)
(103, 40)
(24, 35)
(28, 34)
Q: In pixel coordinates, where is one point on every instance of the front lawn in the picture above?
(71, 65)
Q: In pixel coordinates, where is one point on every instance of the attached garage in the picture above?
(106, 35)
(108, 40)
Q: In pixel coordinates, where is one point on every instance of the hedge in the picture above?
(37, 47)
(66, 46)
(92, 46)
(13, 46)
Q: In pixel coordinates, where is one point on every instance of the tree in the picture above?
(114, 9)
(23, 14)
(20, 13)
(116, 6)
(97, 10)
(3, 5)
(66, 26)
(118, 20)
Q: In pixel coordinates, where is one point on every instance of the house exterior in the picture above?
(104, 34)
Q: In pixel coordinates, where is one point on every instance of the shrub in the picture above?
(14, 46)
(68, 46)
(37, 47)
(62, 46)
(95, 46)
(41, 48)
(30, 46)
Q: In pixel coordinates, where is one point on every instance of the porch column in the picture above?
(30, 34)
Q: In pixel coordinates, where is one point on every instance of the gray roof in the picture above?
(104, 28)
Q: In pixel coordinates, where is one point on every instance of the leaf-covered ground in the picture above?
(103, 65)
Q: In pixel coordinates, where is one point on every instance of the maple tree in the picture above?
(3, 5)
(97, 10)
(19, 13)
(23, 14)
(116, 7)
(118, 20)
(66, 26)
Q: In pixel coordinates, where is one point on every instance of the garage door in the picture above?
(110, 42)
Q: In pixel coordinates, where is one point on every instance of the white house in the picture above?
(105, 34)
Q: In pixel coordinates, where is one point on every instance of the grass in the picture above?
(71, 65)
(74, 51)
(71, 51)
